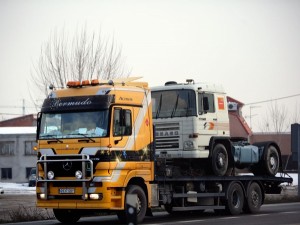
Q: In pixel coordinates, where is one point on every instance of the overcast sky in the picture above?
(250, 47)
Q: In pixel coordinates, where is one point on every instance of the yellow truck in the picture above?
(97, 144)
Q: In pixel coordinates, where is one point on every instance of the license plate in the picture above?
(165, 156)
(66, 191)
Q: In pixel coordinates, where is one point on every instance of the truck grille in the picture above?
(67, 165)
(167, 136)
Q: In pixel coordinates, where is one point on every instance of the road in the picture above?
(273, 214)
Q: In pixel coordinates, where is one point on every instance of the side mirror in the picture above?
(38, 128)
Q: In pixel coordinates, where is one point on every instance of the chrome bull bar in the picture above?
(86, 168)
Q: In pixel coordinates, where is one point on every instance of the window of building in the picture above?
(28, 170)
(7, 148)
(6, 173)
(29, 148)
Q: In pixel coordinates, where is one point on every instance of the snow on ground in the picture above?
(292, 175)
(17, 188)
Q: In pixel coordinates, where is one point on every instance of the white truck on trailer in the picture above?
(198, 163)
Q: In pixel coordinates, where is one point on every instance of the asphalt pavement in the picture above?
(15, 203)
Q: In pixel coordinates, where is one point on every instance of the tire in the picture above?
(254, 198)
(235, 199)
(66, 216)
(141, 204)
(219, 160)
(271, 161)
(269, 164)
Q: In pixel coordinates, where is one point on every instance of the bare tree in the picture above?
(83, 57)
(275, 119)
(295, 118)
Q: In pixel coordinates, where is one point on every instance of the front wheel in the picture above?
(66, 216)
(219, 160)
(141, 206)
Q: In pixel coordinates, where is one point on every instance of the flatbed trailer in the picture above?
(230, 194)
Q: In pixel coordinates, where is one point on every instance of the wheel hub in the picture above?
(254, 198)
(273, 162)
(236, 201)
(221, 160)
(138, 205)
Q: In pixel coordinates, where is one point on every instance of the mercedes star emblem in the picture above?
(67, 165)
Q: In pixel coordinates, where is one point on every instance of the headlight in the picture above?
(78, 174)
(96, 196)
(41, 196)
(50, 175)
(188, 145)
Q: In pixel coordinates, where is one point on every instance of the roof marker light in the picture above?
(73, 84)
(85, 83)
(95, 82)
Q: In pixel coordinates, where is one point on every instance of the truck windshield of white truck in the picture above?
(173, 103)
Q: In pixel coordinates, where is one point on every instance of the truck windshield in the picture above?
(173, 103)
(73, 125)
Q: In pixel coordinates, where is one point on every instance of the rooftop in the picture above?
(17, 130)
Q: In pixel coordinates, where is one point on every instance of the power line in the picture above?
(15, 114)
(12, 106)
(270, 100)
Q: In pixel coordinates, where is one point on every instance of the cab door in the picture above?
(122, 135)
(207, 116)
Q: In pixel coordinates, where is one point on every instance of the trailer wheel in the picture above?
(141, 204)
(235, 199)
(66, 216)
(254, 198)
(219, 160)
(271, 161)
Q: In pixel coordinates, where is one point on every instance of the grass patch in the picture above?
(23, 213)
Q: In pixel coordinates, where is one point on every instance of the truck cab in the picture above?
(95, 146)
(184, 112)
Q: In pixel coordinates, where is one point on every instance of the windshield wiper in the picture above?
(159, 106)
(55, 139)
(175, 107)
(188, 105)
(90, 139)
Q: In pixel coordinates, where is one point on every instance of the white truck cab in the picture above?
(186, 116)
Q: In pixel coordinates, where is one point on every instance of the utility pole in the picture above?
(295, 133)
(23, 107)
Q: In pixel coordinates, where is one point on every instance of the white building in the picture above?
(17, 156)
